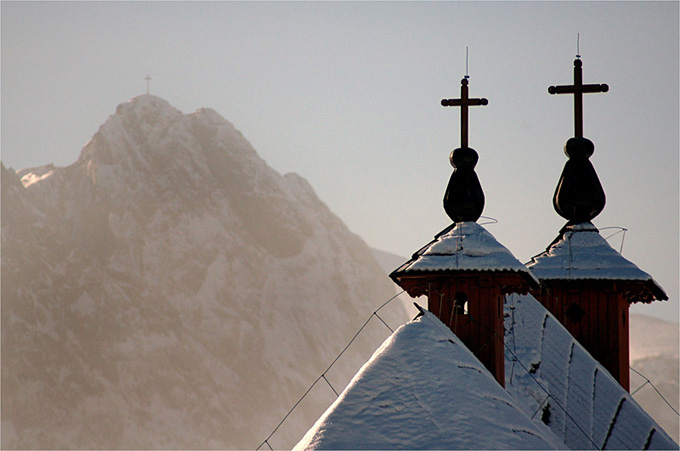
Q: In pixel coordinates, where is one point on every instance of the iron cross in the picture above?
(578, 89)
(463, 103)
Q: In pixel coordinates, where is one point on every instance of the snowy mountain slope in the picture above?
(170, 290)
(387, 260)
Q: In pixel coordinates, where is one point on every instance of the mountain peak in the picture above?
(148, 128)
(145, 111)
(165, 277)
(149, 107)
(144, 102)
(148, 120)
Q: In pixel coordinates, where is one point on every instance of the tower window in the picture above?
(460, 303)
(575, 313)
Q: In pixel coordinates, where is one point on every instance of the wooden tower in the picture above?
(585, 283)
(465, 274)
(464, 271)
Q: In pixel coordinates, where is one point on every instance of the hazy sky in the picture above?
(347, 95)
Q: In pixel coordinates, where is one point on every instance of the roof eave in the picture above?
(415, 281)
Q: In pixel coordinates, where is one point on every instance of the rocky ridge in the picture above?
(170, 290)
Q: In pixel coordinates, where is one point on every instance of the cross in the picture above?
(463, 103)
(578, 89)
(147, 78)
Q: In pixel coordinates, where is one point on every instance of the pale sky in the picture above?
(347, 95)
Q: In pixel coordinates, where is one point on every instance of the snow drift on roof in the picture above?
(581, 253)
(584, 405)
(465, 246)
(423, 389)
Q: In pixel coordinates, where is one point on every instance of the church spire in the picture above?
(585, 284)
(464, 198)
(465, 272)
(579, 196)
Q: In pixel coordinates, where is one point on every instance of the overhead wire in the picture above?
(323, 375)
(655, 389)
(621, 230)
(494, 336)
(549, 395)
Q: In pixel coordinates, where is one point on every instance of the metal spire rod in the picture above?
(467, 72)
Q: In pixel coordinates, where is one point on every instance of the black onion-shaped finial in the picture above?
(464, 198)
(579, 196)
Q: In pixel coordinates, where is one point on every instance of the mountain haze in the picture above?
(654, 354)
(170, 290)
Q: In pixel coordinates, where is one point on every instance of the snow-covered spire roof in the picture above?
(463, 247)
(581, 253)
(423, 389)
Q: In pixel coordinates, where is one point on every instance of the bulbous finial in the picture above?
(464, 198)
(579, 196)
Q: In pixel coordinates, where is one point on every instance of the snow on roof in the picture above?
(465, 246)
(587, 408)
(581, 253)
(423, 389)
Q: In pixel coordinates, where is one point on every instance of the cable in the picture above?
(538, 383)
(289, 412)
(494, 335)
(378, 316)
(621, 230)
(323, 375)
(638, 389)
(329, 384)
(362, 328)
(491, 220)
(657, 391)
(514, 347)
(540, 405)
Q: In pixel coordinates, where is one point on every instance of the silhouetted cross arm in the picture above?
(463, 103)
(578, 89)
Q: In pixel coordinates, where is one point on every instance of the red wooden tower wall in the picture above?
(596, 314)
(480, 328)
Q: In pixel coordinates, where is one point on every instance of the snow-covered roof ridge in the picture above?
(584, 405)
(581, 253)
(423, 389)
(465, 246)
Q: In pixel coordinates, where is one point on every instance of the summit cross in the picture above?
(578, 89)
(463, 103)
(148, 79)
